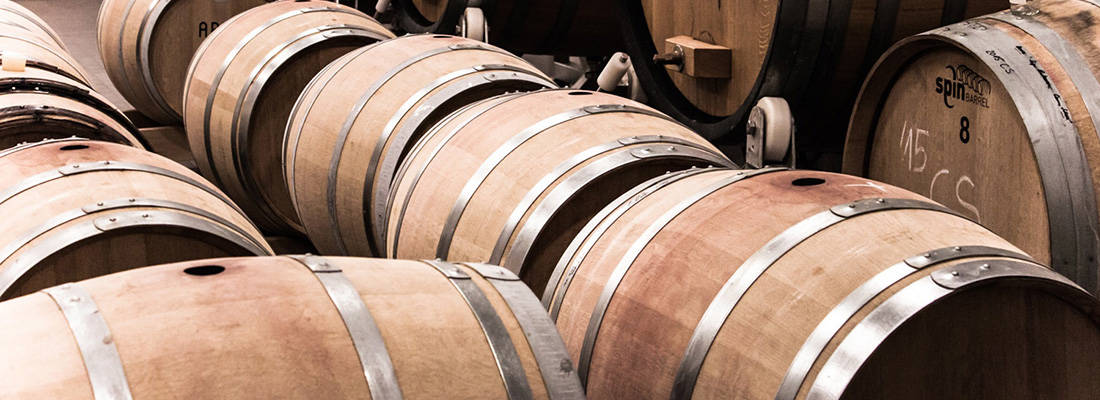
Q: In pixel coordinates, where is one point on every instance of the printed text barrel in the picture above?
(996, 118)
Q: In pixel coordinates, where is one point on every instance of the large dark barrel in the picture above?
(996, 118)
(812, 53)
(568, 27)
(723, 284)
(300, 327)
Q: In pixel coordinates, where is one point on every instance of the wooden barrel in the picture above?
(146, 46)
(287, 327)
(41, 103)
(997, 118)
(812, 53)
(510, 180)
(241, 86)
(358, 119)
(564, 27)
(19, 18)
(84, 208)
(796, 284)
(39, 51)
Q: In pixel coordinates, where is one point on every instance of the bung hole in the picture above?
(580, 93)
(74, 147)
(205, 270)
(807, 181)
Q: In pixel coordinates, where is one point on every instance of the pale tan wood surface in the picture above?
(110, 251)
(443, 177)
(679, 271)
(328, 109)
(265, 327)
(259, 185)
(127, 35)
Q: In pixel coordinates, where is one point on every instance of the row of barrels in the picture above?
(78, 184)
(814, 55)
(429, 146)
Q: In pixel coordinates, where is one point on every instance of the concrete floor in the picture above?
(75, 21)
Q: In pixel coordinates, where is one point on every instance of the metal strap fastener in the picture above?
(327, 74)
(553, 360)
(574, 255)
(661, 148)
(865, 338)
(148, 23)
(93, 337)
(81, 95)
(209, 223)
(504, 150)
(35, 180)
(504, 351)
(215, 83)
(755, 266)
(373, 356)
(430, 102)
(27, 145)
(636, 249)
(68, 119)
(353, 115)
(493, 103)
(63, 57)
(829, 326)
(1088, 87)
(250, 93)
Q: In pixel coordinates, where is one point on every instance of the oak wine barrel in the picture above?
(146, 46)
(782, 284)
(510, 180)
(563, 27)
(359, 117)
(13, 15)
(37, 50)
(241, 86)
(997, 118)
(287, 327)
(41, 102)
(84, 208)
(814, 54)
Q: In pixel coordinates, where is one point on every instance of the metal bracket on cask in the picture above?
(876, 327)
(74, 120)
(109, 165)
(554, 363)
(829, 326)
(93, 338)
(504, 351)
(75, 93)
(770, 134)
(756, 265)
(374, 357)
(635, 250)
